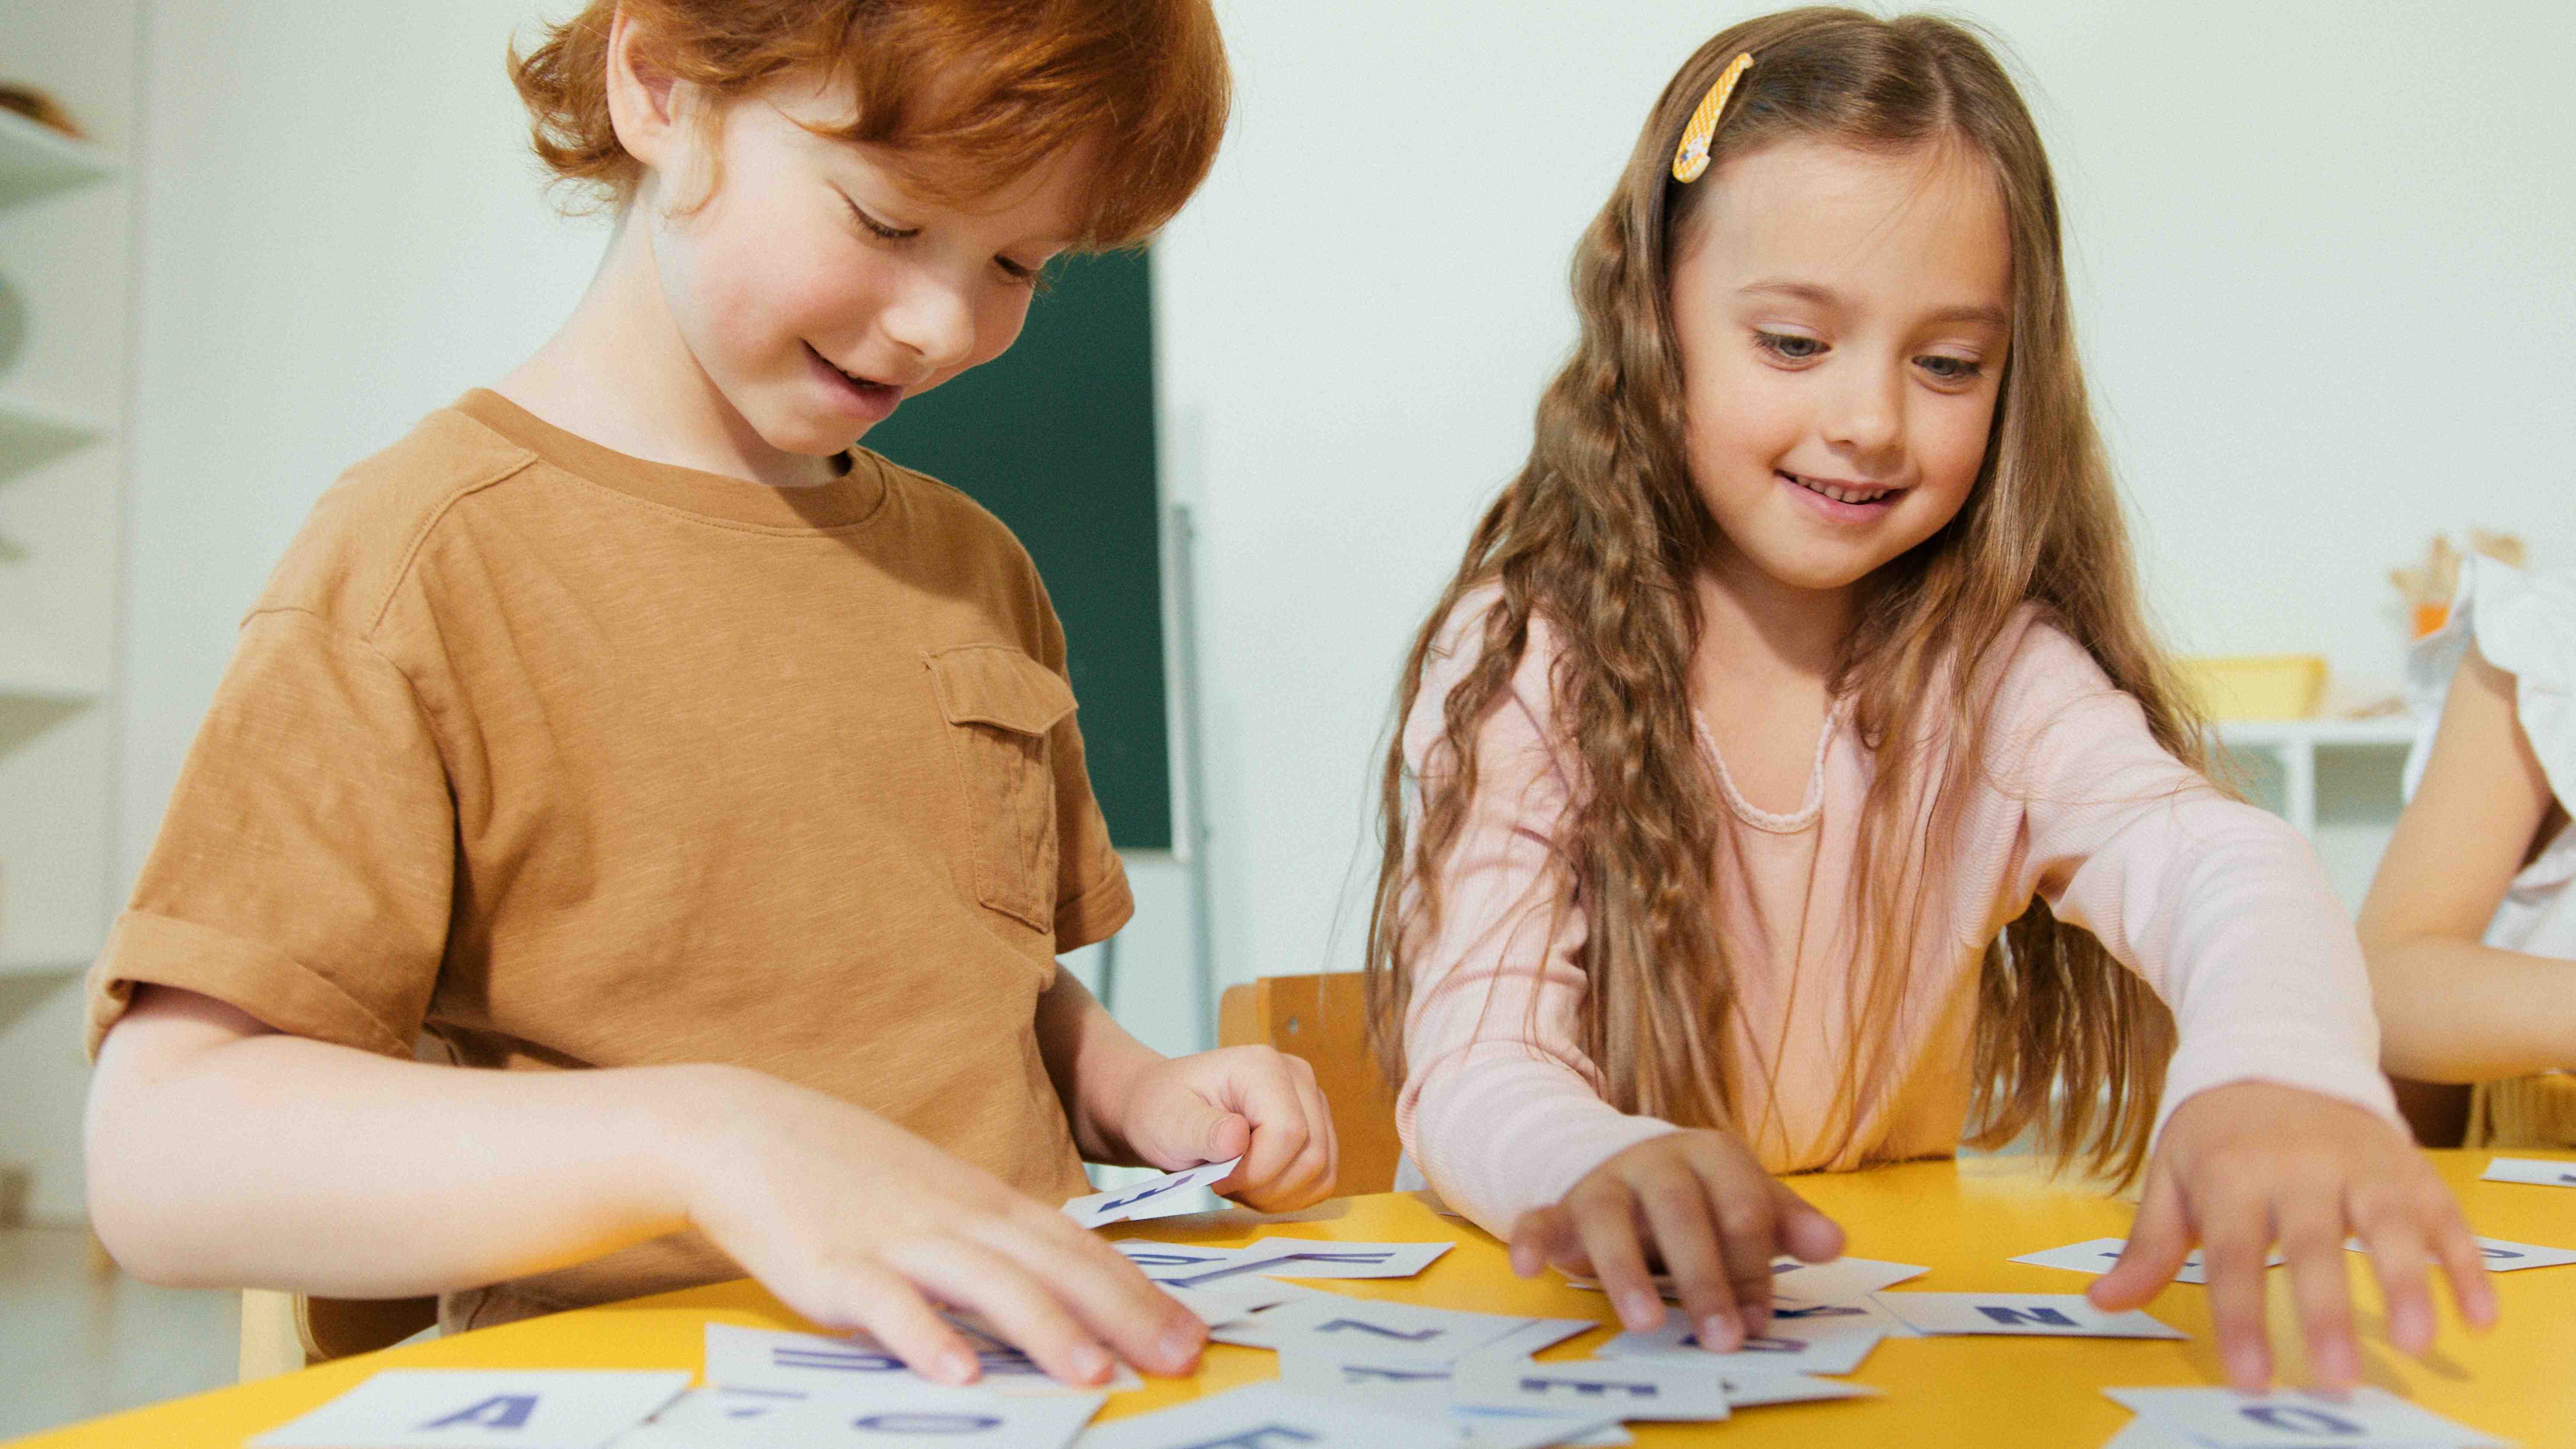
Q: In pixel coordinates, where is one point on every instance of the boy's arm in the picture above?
(2451, 1008)
(1129, 1104)
(221, 1152)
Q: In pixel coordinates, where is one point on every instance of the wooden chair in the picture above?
(1324, 1019)
(283, 1332)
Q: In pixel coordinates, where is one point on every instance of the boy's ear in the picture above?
(643, 97)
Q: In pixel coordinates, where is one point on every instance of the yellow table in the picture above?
(1964, 1220)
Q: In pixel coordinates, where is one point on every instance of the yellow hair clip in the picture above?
(1690, 161)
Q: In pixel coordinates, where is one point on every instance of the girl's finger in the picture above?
(1605, 1223)
(2464, 1263)
(2159, 1241)
(2312, 1239)
(2236, 1238)
(1749, 1239)
(1098, 1286)
(1543, 1236)
(2398, 1260)
(1679, 1213)
(1806, 1234)
(1017, 1305)
(866, 1295)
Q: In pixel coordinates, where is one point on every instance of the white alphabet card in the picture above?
(1814, 1345)
(883, 1416)
(479, 1408)
(2061, 1315)
(2097, 1255)
(2226, 1419)
(1335, 1325)
(2538, 1170)
(762, 1358)
(1659, 1389)
(1148, 1198)
(1270, 1415)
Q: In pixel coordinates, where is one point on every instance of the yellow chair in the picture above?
(1324, 1019)
(2534, 1111)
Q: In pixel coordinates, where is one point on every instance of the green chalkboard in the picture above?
(1056, 437)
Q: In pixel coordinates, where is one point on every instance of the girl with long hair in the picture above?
(1789, 779)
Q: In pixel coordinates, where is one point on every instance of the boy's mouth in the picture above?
(868, 396)
(1852, 495)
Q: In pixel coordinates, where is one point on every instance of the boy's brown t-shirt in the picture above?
(550, 757)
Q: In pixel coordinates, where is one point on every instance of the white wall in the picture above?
(2323, 267)
(2323, 276)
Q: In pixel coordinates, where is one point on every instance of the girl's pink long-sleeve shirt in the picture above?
(2220, 907)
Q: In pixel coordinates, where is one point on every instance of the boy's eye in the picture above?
(882, 231)
(1789, 346)
(1031, 277)
(1950, 369)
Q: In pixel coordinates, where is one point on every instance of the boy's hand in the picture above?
(2245, 1165)
(1248, 1101)
(1698, 1203)
(854, 1223)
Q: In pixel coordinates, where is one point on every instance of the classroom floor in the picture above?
(76, 1344)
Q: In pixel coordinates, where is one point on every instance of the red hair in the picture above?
(967, 94)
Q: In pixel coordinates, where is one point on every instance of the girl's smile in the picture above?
(1840, 501)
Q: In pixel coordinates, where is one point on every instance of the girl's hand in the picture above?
(2251, 1163)
(1699, 1204)
(1250, 1102)
(856, 1223)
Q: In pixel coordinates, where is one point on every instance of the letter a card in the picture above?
(478, 1408)
(2059, 1315)
(1270, 1415)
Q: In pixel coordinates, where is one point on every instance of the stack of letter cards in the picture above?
(1352, 1371)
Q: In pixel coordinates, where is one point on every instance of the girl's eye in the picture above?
(882, 231)
(1951, 369)
(1789, 346)
(1033, 278)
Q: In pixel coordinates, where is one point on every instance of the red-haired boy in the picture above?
(626, 717)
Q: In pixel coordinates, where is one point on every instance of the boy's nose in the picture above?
(933, 321)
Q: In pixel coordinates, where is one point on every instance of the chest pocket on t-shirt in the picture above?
(999, 704)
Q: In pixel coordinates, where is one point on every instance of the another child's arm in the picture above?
(221, 1152)
(1128, 1103)
(2278, 1126)
(2452, 1009)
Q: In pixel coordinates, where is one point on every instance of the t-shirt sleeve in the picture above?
(304, 870)
(2219, 906)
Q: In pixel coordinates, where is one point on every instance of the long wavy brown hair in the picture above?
(1599, 535)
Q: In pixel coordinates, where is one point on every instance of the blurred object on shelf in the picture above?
(2257, 686)
(40, 108)
(13, 324)
(2427, 590)
(15, 1183)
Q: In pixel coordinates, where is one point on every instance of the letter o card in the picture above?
(2058, 1315)
(475, 1408)
(2226, 1419)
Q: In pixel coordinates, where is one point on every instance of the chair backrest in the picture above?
(283, 1332)
(1324, 1019)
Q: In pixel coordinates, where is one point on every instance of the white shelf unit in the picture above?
(2295, 743)
(67, 247)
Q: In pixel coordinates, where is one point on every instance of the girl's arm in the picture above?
(2450, 1008)
(223, 1153)
(2277, 1127)
(1128, 1103)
